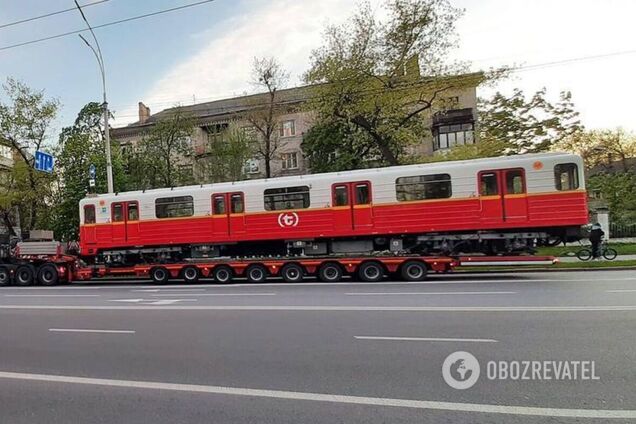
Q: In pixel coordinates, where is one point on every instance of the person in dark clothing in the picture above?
(596, 236)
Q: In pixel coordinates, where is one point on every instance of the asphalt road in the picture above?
(315, 352)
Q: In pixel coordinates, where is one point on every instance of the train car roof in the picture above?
(298, 179)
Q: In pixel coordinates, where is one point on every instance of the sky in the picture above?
(205, 52)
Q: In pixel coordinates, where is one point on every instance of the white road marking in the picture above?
(153, 301)
(143, 307)
(215, 294)
(170, 290)
(51, 295)
(426, 339)
(331, 398)
(621, 291)
(424, 293)
(86, 330)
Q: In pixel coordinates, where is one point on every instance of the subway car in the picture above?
(494, 205)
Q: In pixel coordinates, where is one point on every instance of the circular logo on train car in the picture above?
(288, 219)
(538, 165)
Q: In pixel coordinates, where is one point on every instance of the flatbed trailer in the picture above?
(48, 270)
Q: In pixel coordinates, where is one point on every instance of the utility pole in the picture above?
(100, 62)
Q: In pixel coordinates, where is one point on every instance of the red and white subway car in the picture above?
(495, 205)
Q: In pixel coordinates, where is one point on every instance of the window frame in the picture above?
(112, 212)
(524, 188)
(174, 202)
(285, 160)
(128, 205)
(271, 207)
(231, 197)
(94, 220)
(281, 132)
(558, 182)
(403, 196)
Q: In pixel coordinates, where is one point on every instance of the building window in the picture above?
(89, 214)
(423, 187)
(290, 160)
(174, 207)
(277, 199)
(448, 136)
(252, 166)
(566, 176)
(288, 128)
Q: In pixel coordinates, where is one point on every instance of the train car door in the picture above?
(88, 229)
(228, 214)
(132, 221)
(352, 205)
(118, 222)
(515, 198)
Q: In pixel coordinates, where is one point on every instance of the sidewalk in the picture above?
(575, 259)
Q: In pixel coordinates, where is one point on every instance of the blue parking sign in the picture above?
(43, 161)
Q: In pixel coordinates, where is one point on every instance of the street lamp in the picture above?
(100, 61)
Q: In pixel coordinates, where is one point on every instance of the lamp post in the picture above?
(100, 62)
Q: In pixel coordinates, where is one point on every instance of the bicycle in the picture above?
(585, 254)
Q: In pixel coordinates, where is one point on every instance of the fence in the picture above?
(621, 231)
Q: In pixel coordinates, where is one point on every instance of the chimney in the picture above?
(144, 113)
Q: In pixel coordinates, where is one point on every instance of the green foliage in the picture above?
(157, 160)
(383, 78)
(527, 126)
(619, 191)
(25, 121)
(81, 145)
(226, 157)
(602, 149)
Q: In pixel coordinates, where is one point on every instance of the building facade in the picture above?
(454, 126)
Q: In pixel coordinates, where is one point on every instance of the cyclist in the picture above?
(596, 236)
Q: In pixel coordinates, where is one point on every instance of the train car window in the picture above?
(514, 182)
(363, 195)
(89, 214)
(277, 199)
(133, 211)
(340, 195)
(218, 205)
(174, 207)
(236, 203)
(488, 185)
(118, 212)
(422, 187)
(566, 176)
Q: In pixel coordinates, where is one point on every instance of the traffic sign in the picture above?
(91, 172)
(43, 161)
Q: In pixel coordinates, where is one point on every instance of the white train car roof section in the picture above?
(355, 175)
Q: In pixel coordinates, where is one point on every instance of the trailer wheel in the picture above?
(47, 275)
(413, 271)
(222, 274)
(159, 275)
(256, 273)
(292, 273)
(5, 277)
(190, 274)
(371, 272)
(24, 275)
(330, 273)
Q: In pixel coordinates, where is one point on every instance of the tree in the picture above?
(265, 111)
(619, 191)
(527, 126)
(603, 149)
(385, 78)
(159, 159)
(25, 123)
(81, 145)
(226, 158)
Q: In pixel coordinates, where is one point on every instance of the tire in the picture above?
(159, 275)
(413, 271)
(584, 254)
(222, 274)
(24, 275)
(256, 273)
(5, 277)
(292, 273)
(47, 275)
(330, 272)
(190, 274)
(371, 272)
(610, 254)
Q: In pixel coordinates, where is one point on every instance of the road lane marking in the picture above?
(51, 295)
(330, 398)
(621, 291)
(142, 307)
(424, 293)
(168, 290)
(153, 301)
(426, 339)
(86, 330)
(215, 294)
